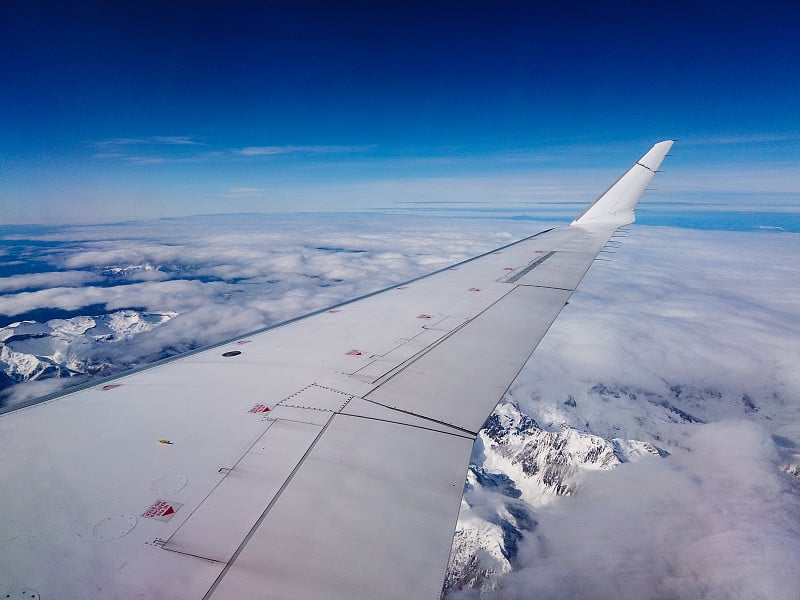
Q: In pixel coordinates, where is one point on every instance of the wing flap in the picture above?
(217, 527)
(496, 344)
(369, 515)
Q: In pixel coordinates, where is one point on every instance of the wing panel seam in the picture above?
(453, 433)
(547, 287)
(474, 434)
(260, 520)
(216, 485)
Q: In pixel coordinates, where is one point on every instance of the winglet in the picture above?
(615, 206)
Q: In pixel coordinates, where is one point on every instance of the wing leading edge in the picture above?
(326, 459)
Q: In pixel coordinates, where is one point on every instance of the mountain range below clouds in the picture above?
(65, 348)
(648, 449)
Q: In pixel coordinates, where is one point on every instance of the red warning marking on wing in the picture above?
(474, 290)
(402, 287)
(333, 311)
(354, 352)
(111, 386)
(162, 510)
(259, 408)
(508, 268)
(243, 342)
(424, 316)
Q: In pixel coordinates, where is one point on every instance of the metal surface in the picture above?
(500, 340)
(378, 499)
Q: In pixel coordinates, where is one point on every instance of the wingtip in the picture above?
(653, 158)
(617, 204)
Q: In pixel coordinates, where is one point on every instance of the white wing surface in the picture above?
(321, 458)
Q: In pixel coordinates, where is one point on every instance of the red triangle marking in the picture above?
(169, 511)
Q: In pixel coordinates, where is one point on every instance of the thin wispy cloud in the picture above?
(243, 192)
(177, 140)
(121, 142)
(146, 160)
(319, 149)
(744, 138)
(168, 140)
(177, 149)
(153, 150)
(264, 150)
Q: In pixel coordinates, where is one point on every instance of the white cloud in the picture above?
(264, 150)
(744, 138)
(239, 192)
(50, 279)
(154, 296)
(289, 149)
(176, 140)
(169, 140)
(34, 389)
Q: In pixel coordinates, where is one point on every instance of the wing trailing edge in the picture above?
(616, 205)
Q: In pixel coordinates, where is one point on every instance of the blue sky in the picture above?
(115, 111)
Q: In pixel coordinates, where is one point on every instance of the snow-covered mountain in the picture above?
(67, 347)
(518, 466)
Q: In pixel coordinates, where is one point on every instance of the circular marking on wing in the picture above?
(114, 527)
(20, 594)
(231, 353)
(169, 485)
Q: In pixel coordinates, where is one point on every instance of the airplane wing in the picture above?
(324, 457)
